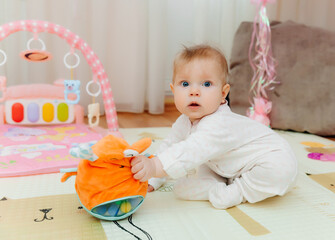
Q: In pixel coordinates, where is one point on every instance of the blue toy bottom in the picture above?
(116, 209)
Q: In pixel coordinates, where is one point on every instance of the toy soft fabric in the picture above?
(104, 183)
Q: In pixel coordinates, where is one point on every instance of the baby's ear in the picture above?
(171, 87)
(225, 91)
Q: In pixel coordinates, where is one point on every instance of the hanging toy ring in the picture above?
(38, 39)
(4, 57)
(74, 65)
(88, 90)
(36, 55)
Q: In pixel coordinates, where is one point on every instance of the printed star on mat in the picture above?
(319, 151)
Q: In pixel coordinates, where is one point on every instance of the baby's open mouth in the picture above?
(194, 104)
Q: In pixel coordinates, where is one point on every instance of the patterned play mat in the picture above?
(35, 206)
(45, 149)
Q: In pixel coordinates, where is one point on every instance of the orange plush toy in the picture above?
(104, 183)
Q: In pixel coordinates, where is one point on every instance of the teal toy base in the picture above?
(116, 209)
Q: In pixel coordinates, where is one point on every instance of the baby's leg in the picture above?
(273, 175)
(196, 187)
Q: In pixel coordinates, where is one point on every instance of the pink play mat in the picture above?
(30, 140)
(45, 149)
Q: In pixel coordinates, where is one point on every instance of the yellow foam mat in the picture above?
(51, 217)
(252, 226)
(327, 180)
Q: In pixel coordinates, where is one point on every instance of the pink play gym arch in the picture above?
(75, 42)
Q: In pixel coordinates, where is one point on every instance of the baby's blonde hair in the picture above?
(188, 54)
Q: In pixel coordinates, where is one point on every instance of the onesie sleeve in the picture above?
(178, 132)
(156, 182)
(210, 140)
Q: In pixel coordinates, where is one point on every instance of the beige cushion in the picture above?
(305, 98)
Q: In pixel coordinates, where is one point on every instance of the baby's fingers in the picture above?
(140, 175)
(137, 167)
(135, 161)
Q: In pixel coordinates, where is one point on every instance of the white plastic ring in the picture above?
(74, 65)
(38, 39)
(4, 57)
(88, 90)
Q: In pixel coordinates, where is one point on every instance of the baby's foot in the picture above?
(222, 196)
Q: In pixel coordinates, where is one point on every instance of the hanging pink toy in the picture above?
(35, 55)
(261, 109)
(93, 108)
(263, 65)
(75, 42)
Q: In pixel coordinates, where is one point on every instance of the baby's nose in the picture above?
(194, 91)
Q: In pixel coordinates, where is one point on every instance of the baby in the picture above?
(215, 154)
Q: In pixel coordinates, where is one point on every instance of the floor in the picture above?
(135, 120)
(139, 120)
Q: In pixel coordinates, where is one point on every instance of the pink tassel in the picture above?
(263, 65)
(261, 109)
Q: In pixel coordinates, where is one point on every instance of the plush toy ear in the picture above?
(84, 151)
(138, 147)
(130, 153)
(110, 147)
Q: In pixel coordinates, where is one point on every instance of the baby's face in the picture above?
(199, 88)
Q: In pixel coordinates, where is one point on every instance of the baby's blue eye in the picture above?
(184, 84)
(207, 84)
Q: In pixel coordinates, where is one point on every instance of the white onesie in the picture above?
(238, 159)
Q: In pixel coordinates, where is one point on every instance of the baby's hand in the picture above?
(150, 188)
(143, 168)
